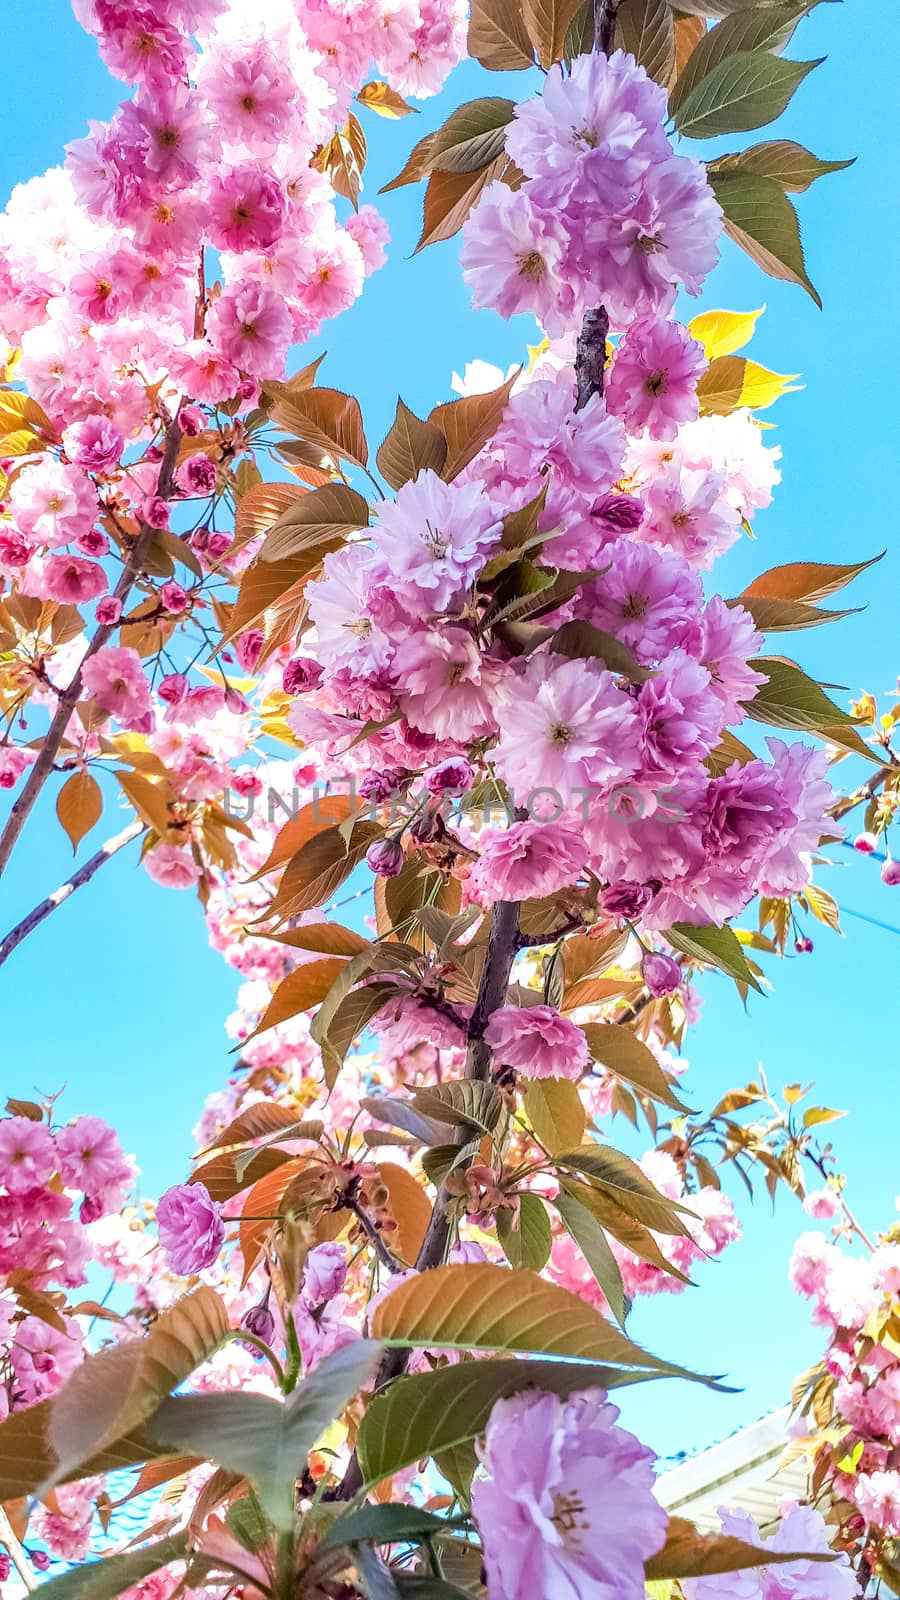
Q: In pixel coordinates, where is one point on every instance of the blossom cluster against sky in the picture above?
(134, 958)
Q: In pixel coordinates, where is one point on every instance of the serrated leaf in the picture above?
(622, 1179)
(432, 1412)
(498, 37)
(556, 1113)
(741, 92)
(792, 166)
(787, 616)
(732, 381)
(299, 991)
(469, 424)
(582, 641)
(450, 196)
(687, 1553)
(267, 585)
(264, 1440)
(409, 448)
(755, 29)
(326, 418)
(547, 24)
(79, 805)
(761, 219)
(322, 515)
(619, 1049)
(645, 29)
(526, 1239)
(383, 1524)
(259, 509)
(712, 947)
(319, 867)
(473, 136)
(594, 1246)
(410, 1208)
(352, 1016)
(479, 1306)
(804, 580)
(463, 1103)
(789, 699)
(150, 800)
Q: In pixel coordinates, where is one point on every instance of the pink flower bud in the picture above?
(661, 973)
(191, 420)
(385, 857)
(890, 873)
(803, 945)
(259, 1321)
(216, 545)
(248, 648)
(865, 843)
(173, 688)
(452, 776)
(108, 610)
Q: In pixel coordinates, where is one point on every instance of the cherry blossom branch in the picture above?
(68, 699)
(590, 350)
(605, 25)
(77, 881)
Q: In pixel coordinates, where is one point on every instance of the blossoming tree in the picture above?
(490, 655)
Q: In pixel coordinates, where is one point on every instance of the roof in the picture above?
(740, 1471)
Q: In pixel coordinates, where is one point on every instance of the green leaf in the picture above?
(384, 1524)
(409, 448)
(433, 1412)
(789, 699)
(526, 1241)
(348, 1021)
(264, 1440)
(556, 1112)
(623, 1179)
(617, 1048)
(645, 29)
(463, 1102)
(594, 1246)
(480, 1306)
(582, 641)
(761, 219)
(103, 1580)
(744, 91)
(791, 166)
(472, 136)
(769, 28)
(712, 947)
(787, 616)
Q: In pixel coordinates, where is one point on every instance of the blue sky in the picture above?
(119, 998)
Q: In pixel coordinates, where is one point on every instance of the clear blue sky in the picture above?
(118, 996)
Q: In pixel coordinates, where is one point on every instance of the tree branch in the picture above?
(605, 25)
(77, 881)
(16, 1553)
(68, 699)
(590, 351)
(498, 961)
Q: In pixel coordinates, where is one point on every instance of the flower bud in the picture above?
(661, 973)
(174, 599)
(300, 674)
(865, 843)
(190, 421)
(803, 945)
(453, 776)
(890, 873)
(259, 1321)
(154, 511)
(625, 900)
(385, 857)
(108, 611)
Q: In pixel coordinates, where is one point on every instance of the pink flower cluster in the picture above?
(607, 215)
(854, 1298)
(45, 1245)
(801, 1528)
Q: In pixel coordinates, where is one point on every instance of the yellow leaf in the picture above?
(723, 332)
(817, 1114)
(149, 801)
(409, 1206)
(386, 101)
(556, 1113)
(79, 805)
(731, 381)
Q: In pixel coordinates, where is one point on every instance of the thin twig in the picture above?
(16, 1551)
(69, 697)
(77, 881)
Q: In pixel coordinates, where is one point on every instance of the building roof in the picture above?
(740, 1471)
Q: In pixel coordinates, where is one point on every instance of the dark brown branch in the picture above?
(605, 25)
(590, 356)
(69, 697)
(77, 881)
(498, 961)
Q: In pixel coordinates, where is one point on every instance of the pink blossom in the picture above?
(53, 503)
(446, 683)
(326, 1269)
(114, 676)
(537, 1042)
(688, 510)
(877, 1494)
(564, 727)
(821, 1204)
(567, 1505)
(528, 860)
(434, 539)
(653, 383)
(27, 1155)
(512, 258)
(95, 444)
(251, 327)
(196, 476)
(13, 762)
(190, 1227)
(174, 598)
(71, 580)
(171, 867)
(91, 1159)
(246, 209)
(154, 511)
(370, 232)
(649, 598)
(661, 973)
